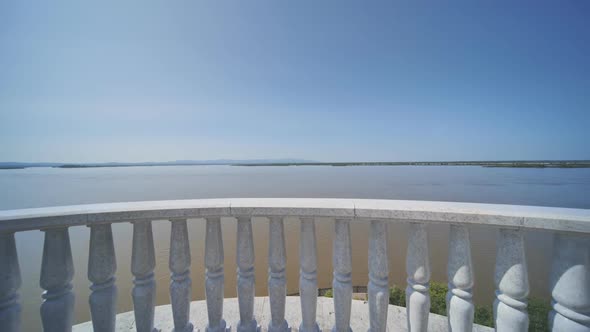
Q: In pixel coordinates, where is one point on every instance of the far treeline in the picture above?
(509, 163)
(515, 164)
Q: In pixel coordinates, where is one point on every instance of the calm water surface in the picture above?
(38, 187)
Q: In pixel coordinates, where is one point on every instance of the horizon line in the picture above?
(289, 160)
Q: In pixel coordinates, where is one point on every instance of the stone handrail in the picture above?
(570, 276)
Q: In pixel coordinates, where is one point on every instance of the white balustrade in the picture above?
(57, 271)
(418, 270)
(102, 265)
(570, 284)
(308, 282)
(10, 282)
(214, 280)
(142, 266)
(378, 287)
(245, 260)
(277, 283)
(512, 283)
(180, 280)
(342, 282)
(460, 308)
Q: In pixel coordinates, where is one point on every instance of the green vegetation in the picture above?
(538, 309)
(538, 314)
(438, 303)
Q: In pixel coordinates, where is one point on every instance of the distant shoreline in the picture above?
(503, 164)
(495, 164)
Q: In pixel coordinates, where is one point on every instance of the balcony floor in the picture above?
(325, 316)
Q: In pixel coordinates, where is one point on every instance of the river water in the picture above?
(38, 187)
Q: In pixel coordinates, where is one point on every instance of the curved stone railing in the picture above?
(570, 276)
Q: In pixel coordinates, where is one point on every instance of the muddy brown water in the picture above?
(46, 187)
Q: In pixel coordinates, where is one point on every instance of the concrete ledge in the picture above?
(396, 319)
(533, 217)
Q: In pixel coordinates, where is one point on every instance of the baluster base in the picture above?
(222, 327)
(460, 309)
(315, 328)
(417, 306)
(57, 311)
(10, 312)
(283, 327)
(103, 305)
(558, 322)
(188, 328)
(512, 316)
(378, 305)
(251, 326)
(144, 297)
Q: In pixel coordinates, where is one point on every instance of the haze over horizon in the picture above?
(330, 81)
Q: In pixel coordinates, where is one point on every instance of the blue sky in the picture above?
(321, 80)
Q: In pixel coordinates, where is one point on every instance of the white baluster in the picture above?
(308, 282)
(57, 271)
(180, 280)
(142, 266)
(460, 309)
(570, 283)
(418, 270)
(277, 283)
(512, 284)
(10, 283)
(214, 280)
(378, 287)
(245, 260)
(342, 282)
(101, 272)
